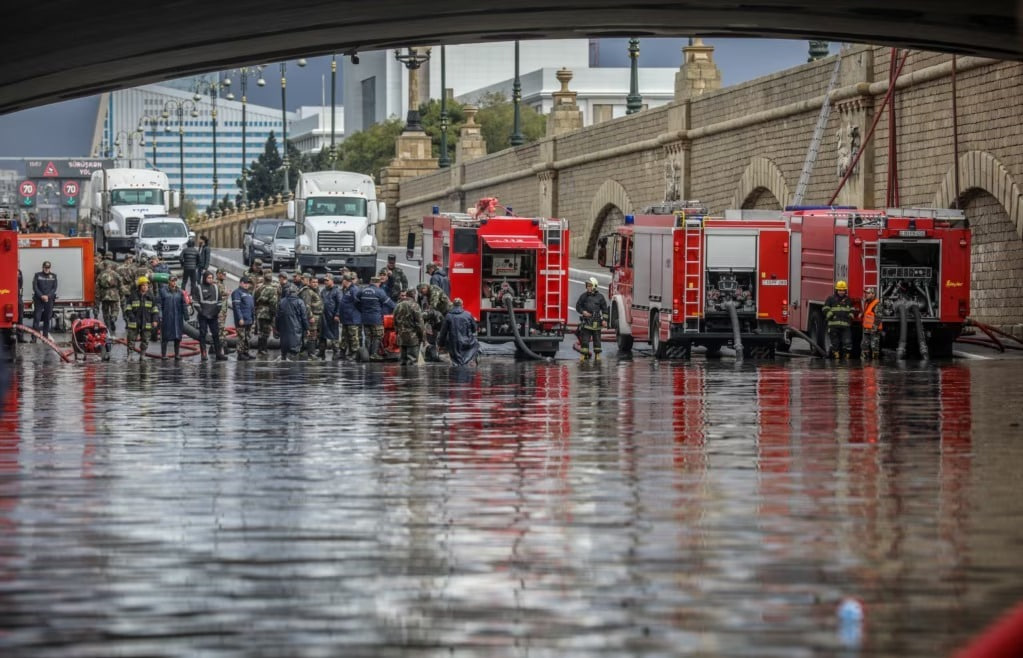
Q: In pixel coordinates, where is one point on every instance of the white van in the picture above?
(163, 236)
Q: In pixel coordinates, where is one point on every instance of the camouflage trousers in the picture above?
(142, 336)
(111, 309)
(351, 339)
(244, 335)
(222, 322)
(374, 339)
(263, 328)
(870, 346)
(312, 338)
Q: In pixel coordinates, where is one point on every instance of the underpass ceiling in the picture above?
(62, 49)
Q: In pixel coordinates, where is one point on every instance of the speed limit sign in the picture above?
(27, 194)
(70, 191)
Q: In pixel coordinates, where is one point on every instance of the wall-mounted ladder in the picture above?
(871, 261)
(553, 265)
(692, 278)
(815, 141)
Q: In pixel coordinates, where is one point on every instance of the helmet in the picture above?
(592, 281)
(841, 285)
(142, 279)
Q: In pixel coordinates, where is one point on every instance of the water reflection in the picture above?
(630, 508)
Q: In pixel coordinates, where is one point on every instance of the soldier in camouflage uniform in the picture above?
(351, 320)
(267, 298)
(330, 330)
(408, 327)
(99, 267)
(108, 294)
(435, 305)
(126, 272)
(310, 296)
(222, 317)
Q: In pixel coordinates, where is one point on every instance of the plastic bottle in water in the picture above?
(850, 622)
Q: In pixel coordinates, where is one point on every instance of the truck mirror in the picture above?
(410, 246)
(291, 210)
(175, 198)
(97, 200)
(381, 211)
(602, 251)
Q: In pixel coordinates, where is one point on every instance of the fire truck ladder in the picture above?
(693, 274)
(553, 263)
(871, 258)
(815, 141)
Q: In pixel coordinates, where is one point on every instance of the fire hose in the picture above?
(900, 352)
(736, 334)
(64, 354)
(521, 344)
(813, 344)
(992, 340)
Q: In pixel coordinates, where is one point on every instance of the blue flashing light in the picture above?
(629, 219)
(795, 208)
(436, 210)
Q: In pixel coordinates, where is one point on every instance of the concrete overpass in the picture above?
(64, 49)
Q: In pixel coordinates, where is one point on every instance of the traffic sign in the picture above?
(50, 171)
(70, 191)
(27, 194)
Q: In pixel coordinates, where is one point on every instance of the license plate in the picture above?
(336, 263)
(912, 234)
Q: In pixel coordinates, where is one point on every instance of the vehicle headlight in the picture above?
(366, 250)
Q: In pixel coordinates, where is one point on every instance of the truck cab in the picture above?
(119, 200)
(336, 213)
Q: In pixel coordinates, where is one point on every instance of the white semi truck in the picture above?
(336, 213)
(119, 199)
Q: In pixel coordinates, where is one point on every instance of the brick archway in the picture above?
(981, 170)
(761, 175)
(610, 197)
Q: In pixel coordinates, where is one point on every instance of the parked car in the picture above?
(163, 236)
(257, 238)
(283, 246)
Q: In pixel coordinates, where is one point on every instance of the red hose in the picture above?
(65, 355)
(1003, 638)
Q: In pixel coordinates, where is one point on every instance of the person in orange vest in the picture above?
(870, 346)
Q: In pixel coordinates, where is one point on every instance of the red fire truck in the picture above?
(917, 259)
(511, 273)
(9, 299)
(680, 278)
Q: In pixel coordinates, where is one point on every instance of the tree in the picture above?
(265, 173)
(496, 117)
(371, 150)
(430, 117)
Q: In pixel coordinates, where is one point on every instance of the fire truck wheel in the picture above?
(657, 345)
(758, 351)
(713, 350)
(624, 341)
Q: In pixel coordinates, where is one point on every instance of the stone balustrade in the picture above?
(225, 229)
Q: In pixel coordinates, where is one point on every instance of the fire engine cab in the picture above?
(680, 278)
(917, 260)
(511, 273)
(9, 293)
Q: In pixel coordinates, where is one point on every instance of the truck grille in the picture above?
(329, 241)
(131, 225)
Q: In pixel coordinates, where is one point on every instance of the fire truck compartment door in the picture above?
(731, 251)
(495, 242)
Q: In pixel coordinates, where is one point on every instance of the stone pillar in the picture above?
(850, 121)
(565, 116)
(698, 73)
(413, 157)
(470, 140)
(547, 179)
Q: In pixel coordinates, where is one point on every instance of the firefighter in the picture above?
(870, 346)
(592, 309)
(142, 314)
(838, 312)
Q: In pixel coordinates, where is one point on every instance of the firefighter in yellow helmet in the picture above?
(592, 309)
(838, 312)
(142, 316)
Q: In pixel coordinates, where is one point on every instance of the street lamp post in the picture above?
(213, 87)
(443, 161)
(413, 60)
(179, 108)
(633, 102)
(130, 137)
(333, 111)
(244, 73)
(285, 162)
(154, 121)
(516, 138)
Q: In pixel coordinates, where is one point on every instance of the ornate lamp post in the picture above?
(213, 87)
(516, 138)
(413, 60)
(333, 110)
(244, 73)
(633, 102)
(153, 120)
(818, 50)
(179, 108)
(130, 137)
(444, 160)
(284, 122)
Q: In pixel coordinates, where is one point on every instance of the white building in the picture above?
(376, 88)
(601, 92)
(310, 130)
(125, 109)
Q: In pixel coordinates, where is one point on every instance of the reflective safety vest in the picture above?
(869, 319)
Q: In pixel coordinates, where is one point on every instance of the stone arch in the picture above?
(607, 209)
(981, 170)
(761, 199)
(761, 175)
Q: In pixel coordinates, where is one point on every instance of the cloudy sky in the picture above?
(65, 129)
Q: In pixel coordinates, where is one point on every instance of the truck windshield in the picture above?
(285, 233)
(348, 206)
(136, 197)
(164, 230)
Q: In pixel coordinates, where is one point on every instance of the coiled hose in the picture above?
(521, 344)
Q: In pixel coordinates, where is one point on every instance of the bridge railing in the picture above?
(225, 229)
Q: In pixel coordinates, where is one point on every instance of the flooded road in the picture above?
(628, 508)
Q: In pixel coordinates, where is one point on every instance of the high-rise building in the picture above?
(157, 146)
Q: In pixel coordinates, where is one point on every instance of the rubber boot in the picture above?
(163, 350)
(261, 346)
(374, 349)
(202, 354)
(177, 351)
(322, 354)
